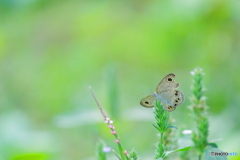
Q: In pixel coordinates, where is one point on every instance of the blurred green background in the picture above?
(51, 51)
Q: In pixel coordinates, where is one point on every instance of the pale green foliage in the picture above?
(100, 153)
(133, 155)
(199, 107)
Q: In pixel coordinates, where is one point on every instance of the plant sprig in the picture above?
(198, 106)
(123, 153)
(162, 124)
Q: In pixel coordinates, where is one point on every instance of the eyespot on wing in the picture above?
(167, 107)
(148, 102)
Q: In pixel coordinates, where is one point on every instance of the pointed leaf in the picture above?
(215, 140)
(178, 150)
(213, 145)
(155, 126)
(116, 155)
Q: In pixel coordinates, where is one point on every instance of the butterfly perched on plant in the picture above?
(166, 93)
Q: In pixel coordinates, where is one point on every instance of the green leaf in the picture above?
(215, 140)
(155, 126)
(133, 155)
(210, 150)
(178, 150)
(213, 145)
(116, 155)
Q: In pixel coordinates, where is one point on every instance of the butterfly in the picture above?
(166, 93)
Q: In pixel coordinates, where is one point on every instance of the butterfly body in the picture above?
(166, 93)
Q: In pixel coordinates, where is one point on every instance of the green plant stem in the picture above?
(161, 149)
(121, 151)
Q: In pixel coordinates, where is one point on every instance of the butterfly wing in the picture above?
(166, 93)
(167, 107)
(171, 97)
(167, 83)
(148, 102)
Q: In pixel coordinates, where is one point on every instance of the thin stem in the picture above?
(161, 145)
(109, 122)
(98, 104)
(116, 155)
(121, 151)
